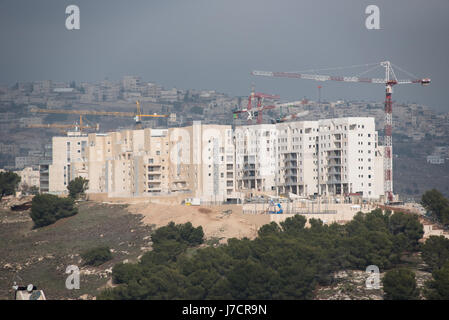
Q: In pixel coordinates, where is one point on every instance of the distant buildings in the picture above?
(435, 159)
(42, 87)
(169, 95)
(30, 177)
(131, 83)
(26, 161)
(439, 155)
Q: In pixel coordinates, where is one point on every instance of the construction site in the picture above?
(229, 179)
(331, 168)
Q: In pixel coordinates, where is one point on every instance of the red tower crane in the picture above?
(389, 81)
(259, 107)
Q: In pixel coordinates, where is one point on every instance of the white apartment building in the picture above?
(68, 161)
(198, 159)
(131, 83)
(349, 159)
(256, 157)
(29, 176)
(204, 155)
(297, 160)
(327, 157)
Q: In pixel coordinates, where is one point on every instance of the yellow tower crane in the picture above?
(137, 116)
(65, 127)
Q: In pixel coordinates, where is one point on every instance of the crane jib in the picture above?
(318, 77)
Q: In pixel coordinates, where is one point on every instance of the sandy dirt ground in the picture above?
(217, 221)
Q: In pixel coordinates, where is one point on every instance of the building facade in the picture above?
(29, 177)
(256, 157)
(197, 159)
(68, 161)
(214, 162)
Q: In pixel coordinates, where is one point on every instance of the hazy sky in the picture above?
(214, 44)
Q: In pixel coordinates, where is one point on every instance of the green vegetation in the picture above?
(435, 252)
(33, 190)
(77, 187)
(182, 233)
(9, 181)
(285, 261)
(27, 190)
(400, 284)
(46, 209)
(61, 245)
(438, 287)
(436, 205)
(97, 256)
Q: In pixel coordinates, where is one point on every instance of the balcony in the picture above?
(334, 170)
(291, 173)
(249, 167)
(154, 177)
(336, 162)
(334, 181)
(154, 168)
(291, 157)
(154, 186)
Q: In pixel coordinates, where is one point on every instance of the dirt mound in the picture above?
(21, 207)
(11, 202)
(222, 222)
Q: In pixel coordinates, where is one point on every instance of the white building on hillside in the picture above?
(256, 157)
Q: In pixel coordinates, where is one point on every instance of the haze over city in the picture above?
(215, 44)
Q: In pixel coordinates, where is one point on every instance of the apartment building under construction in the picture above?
(197, 159)
(215, 162)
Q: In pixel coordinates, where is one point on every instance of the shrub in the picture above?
(96, 256)
(435, 251)
(46, 209)
(77, 187)
(9, 181)
(125, 272)
(400, 284)
(438, 287)
(183, 233)
(437, 205)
